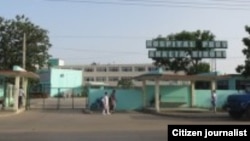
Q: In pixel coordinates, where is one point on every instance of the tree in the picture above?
(11, 43)
(125, 83)
(245, 69)
(187, 64)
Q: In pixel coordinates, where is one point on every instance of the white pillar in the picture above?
(157, 93)
(192, 102)
(16, 92)
(213, 85)
(24, 85)
(144, 93)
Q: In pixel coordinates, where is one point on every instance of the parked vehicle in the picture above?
(238, 105)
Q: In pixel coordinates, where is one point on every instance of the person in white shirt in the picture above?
(213, 100)
(20, 97)
(105, 101)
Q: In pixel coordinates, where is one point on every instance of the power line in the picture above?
(118, 37)
(190, 3)
(232, 1)
(174, 4)
(99, 36)
(101, 51)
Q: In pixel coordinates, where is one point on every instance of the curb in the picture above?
(189, 114)
(11, 113)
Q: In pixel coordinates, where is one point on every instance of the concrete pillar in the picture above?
(16, 92)
(157, 93)
(213, 85)
(25, 85)
(144, 93)
(192, 94)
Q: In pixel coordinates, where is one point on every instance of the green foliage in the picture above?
(200, 68)
(125, 83)
(11, 43)
(187, 64)
(245, 69)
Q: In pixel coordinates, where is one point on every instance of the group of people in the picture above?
(109, 103)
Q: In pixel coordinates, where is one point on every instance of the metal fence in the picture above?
(57, 98)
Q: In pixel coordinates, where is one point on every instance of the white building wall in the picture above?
(112, 73)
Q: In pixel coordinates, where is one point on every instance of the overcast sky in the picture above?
(115, 31)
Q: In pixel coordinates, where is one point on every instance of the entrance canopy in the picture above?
(169, 77)
(17, 75)
(157, 77)
(13, 74)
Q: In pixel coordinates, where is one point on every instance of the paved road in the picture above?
(69, 125)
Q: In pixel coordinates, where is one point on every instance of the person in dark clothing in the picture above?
(112, 101)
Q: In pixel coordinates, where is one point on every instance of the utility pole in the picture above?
(24, 80)
(24, 51)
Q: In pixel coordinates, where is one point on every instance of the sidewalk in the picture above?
(188, 113)
(169, 112)
(6, 113)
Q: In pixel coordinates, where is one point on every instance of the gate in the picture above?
(56, 98)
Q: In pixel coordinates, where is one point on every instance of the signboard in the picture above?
(183, 54)
(170, 44)
(178, 49)
(185, 44)
(214, 44)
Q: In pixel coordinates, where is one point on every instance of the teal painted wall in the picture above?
(175, 94)
(131, 99)
(66, 80)
(1, 86)
(127, 99)
(170, 94)
(203, 97)
(61, 81)
(1, 91)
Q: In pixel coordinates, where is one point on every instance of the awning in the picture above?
(10, 73)
(178, 77)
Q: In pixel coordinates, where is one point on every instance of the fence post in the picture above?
(58, 99)
(43, 95)
(72, 96)
(27, 107)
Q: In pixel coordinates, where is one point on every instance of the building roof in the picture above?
(107, 65)
(168, 77)
(10, 73)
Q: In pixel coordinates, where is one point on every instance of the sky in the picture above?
(115, 31)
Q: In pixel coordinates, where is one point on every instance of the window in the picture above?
(240, 84)
(204, 85)
(78, 69)
(101, 79)
(113, 78)
(222, 85)
(101, 69)
(113, 69)
(88, 69)
(1, 81)
(127, 69)
(89, 79)
(139, 69)
(126, 77)
(152, 69)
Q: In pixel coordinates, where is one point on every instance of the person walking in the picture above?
(112, 100)
(213, 100)
(20, 97)
(105, 102)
